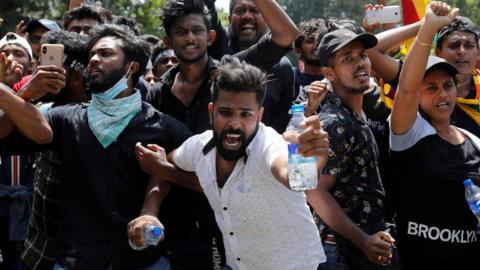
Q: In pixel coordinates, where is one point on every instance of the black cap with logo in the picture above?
(335, 40)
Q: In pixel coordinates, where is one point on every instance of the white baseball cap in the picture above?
(12, 38)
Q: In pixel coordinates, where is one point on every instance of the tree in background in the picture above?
(145, 12)
(301, 10)
(13, 11)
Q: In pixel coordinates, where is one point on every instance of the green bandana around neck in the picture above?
(107, 118)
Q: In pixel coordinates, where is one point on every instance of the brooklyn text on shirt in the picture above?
(444, 235)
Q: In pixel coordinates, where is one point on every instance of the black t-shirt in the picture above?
(377, 114)
(302, 80)
(104, 187)
(435, 224)
(460, 119)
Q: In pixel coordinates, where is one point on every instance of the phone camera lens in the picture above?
(44, 50)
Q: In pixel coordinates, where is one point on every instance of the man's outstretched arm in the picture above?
(24, 116)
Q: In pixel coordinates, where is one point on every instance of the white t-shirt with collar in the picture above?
(264, 224)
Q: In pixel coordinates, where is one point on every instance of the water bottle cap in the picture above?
(467, 183)
(297, 108)
(156, 231)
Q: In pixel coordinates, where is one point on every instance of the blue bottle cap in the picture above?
(156, 231)
(298, 108)
(467, 183)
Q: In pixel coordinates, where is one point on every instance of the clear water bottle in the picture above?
(472, 195)
(151, 236)
(302, 171)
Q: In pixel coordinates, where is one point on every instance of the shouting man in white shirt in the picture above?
(241, 167)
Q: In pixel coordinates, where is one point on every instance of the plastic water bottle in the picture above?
(151, 236)
(302, 171)
(472, 195)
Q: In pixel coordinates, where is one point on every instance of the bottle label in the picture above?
(294, 158)
(474, 204)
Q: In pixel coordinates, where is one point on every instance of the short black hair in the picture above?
(175, 9)
(100, 14)
(128, 22)
(234, 75)
(309, 27)
(134, 48)
(74, 48)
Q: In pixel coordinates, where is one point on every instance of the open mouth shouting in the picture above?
(232, 140)
(361, 75)
(444, 105)
(248, 29)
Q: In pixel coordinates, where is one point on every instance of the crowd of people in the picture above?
(187, 132)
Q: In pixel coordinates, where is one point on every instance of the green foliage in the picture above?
(223, 15)
(11, 11)
(300, 10)
(144, 12)
(468, 8)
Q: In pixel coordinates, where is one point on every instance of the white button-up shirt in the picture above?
(264, 224)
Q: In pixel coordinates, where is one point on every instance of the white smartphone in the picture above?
(389, 14)
(51, 54)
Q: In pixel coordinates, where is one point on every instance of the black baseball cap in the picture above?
(435, 62)
(460, 23)
(49, 24)
(338, 39)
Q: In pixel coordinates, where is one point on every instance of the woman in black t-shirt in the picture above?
(431, 158)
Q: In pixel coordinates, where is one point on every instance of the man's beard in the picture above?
(190, 61)
(233, 155)
(105, 83)
(312, 62)
(356, 91)
(246, 42)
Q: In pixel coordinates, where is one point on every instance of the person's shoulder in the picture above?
(166, 79)
(67, 113)
(213, 63)
(332, 107)
(199, 142)
(204, 137)
(284, 63)
(265, 137)
(70, 108)
(149, 112)
(332, 114)
(266, 133)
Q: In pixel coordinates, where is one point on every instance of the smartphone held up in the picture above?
(51, 54)
(387, 14)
